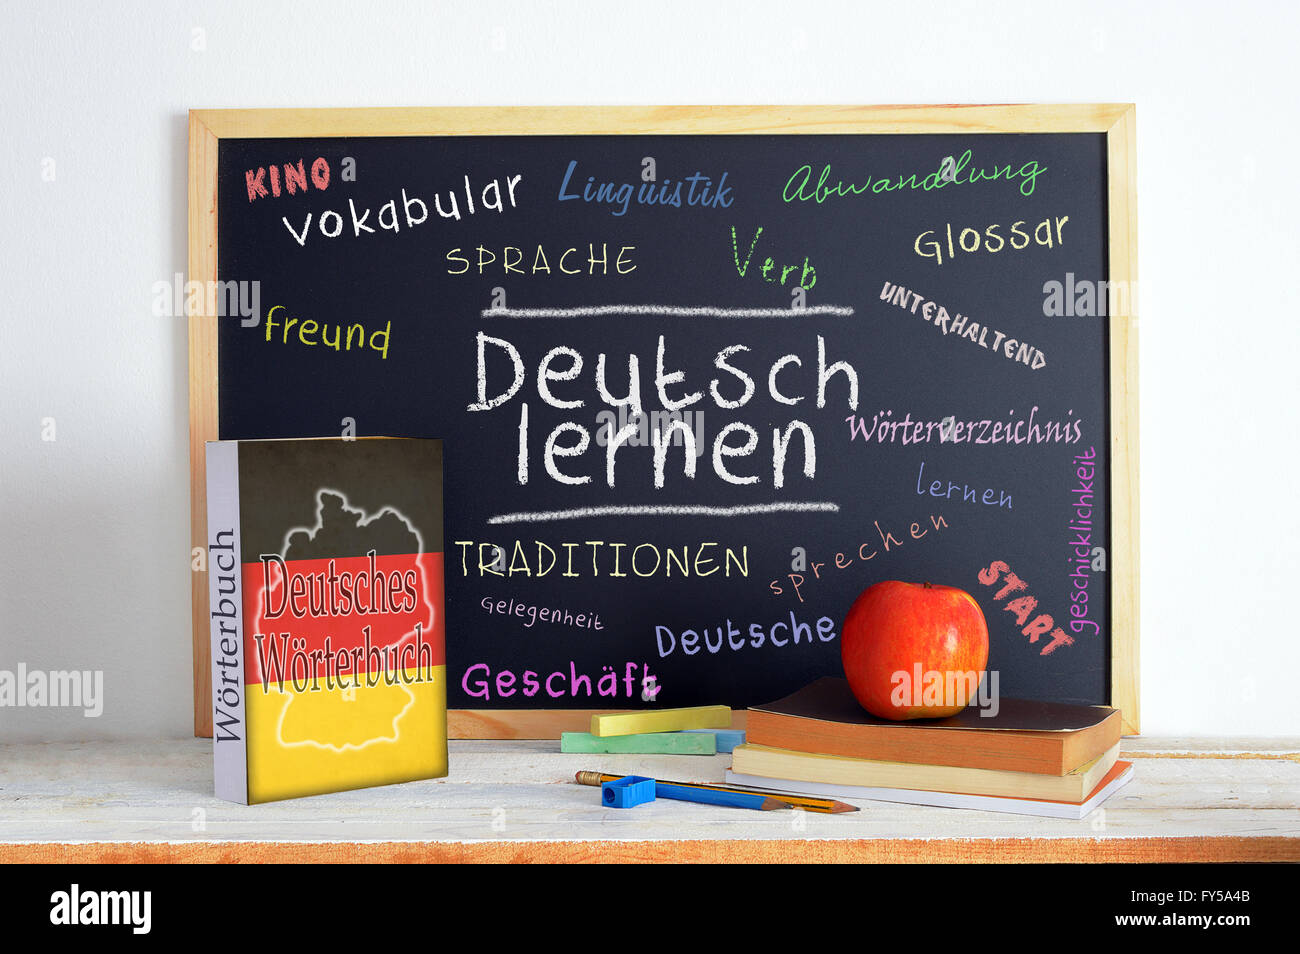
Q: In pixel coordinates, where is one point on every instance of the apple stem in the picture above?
(927, 585)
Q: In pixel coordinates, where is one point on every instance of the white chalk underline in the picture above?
(668, 510)
(668, 311)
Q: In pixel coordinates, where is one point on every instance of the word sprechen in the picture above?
(731, 390)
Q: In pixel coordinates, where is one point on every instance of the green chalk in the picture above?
(727, 739)
(647, 743)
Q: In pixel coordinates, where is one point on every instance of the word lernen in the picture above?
(733, 443)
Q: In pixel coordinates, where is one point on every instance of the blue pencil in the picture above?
(703, 794)
(710, 796)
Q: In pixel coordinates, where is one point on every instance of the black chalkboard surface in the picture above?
(857, 357)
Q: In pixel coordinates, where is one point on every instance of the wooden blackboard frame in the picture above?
(207, 127)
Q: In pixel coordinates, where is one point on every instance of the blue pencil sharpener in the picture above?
(627, 792)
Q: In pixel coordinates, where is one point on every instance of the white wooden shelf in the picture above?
(1206, 799)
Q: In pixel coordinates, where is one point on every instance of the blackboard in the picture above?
(872, 312)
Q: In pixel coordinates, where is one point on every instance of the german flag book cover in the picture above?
(325, 561)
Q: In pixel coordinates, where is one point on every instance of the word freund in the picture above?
(798, 187)
(974, 332)
(1023, 606)
(342, 340)
(843, 562)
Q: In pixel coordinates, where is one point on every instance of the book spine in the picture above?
(226, 609)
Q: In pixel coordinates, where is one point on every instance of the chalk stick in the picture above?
(726, 739)
(661, 720)
(650, 743)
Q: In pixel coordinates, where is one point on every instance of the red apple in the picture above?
(898, 632)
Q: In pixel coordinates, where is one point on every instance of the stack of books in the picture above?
(1029, 758)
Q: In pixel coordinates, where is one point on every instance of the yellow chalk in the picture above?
(661, 720)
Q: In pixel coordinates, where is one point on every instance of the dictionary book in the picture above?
(325, 568)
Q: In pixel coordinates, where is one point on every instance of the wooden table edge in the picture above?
(1212, 848)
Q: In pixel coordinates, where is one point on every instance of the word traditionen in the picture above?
(798, 187)
(962, 326)
(644, 559)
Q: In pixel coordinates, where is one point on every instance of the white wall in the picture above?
(94, 526)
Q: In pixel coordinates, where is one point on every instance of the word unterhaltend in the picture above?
(958, 324)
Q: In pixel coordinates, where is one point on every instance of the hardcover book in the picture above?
(1048, 738)
(803, 767)
(1120, 774)
(325, 566)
